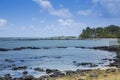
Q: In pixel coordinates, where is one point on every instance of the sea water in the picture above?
(53, 58)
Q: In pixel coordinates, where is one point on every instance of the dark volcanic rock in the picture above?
(29, 77)
(70, 72)
(61, 47)
(38, 69)
(46, 47)
(3, 49)
(108, 48)
(7, 77)
(1, 78)
(43, 77)
(110, 70)
(86, 64)
(74, 62)
(107, 59)
(57, 74)
(19, 68)
(9, 60)
(58, 57)
(48, 71)
(17, 48)
(80, 47)
(21, 48)
(35, 48)
(25, 72)
(22, 60)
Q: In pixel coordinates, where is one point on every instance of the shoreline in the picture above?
(110, 73)
(113, 68)
(53, 74)
(96, 74)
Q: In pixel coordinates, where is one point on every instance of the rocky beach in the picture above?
(112, 72)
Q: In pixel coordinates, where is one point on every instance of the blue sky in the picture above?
(44, 18)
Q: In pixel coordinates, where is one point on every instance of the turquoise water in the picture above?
(55, 58)
(53, 43)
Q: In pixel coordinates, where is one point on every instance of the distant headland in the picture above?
(111, 31)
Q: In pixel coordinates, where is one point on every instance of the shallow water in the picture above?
(55, 58)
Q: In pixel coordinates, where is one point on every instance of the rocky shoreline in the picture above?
(53, 74)
(116, 49)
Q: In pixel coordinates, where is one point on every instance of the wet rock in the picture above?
(35, 48)
(22, 60)
(19, 68)
(1, 78)
(30, 68)
(17, 49)
(110, 70)
(21, 78)
(61, 47)
(9, 60)
(86, 64)
(3, 49)
(7, 77)
(48, 71)
(31, 57)
(21, 48)
(74, 62)
(25, 72)
(81, 72)
(58, 57)
(9, 66)
(38, 69)
(70, 72)
(43, 77)
(13, 65)
(80, 47)
(45, 47)
(29, 77)
(44, 57)
(107, 59)
(57, 74)
(101, 63)
(108, 48)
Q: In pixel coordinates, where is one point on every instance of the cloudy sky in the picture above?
(43, 18)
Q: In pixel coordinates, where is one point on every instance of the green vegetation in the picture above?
(111, 31)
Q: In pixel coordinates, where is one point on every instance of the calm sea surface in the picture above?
(53, 58)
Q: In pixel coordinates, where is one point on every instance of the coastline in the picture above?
(90, 74)
(109, 73)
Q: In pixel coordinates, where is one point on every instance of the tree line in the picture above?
(111, 31)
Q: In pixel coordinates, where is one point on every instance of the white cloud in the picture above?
(69, 23)
(46, 5)
(84, 12)
(65, 13)
(65, 27)
(3, 22)
(61, 27)
(111, 6)
(89, 13)
(102, 8)
(65, 22)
